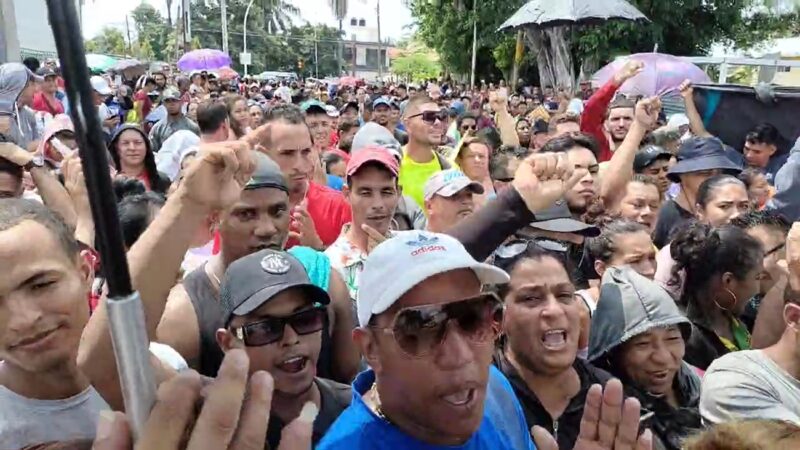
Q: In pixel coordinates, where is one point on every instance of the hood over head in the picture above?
(13, 79)
(630, 305)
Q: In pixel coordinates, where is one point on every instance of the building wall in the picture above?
(790, 77)
(26, 29)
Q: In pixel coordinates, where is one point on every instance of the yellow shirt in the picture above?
(413, 176)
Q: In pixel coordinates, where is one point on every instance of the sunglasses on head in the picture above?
(271, 330)
(420, 330)
(431, 116)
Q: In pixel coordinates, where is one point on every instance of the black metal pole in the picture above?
(92, 148)
(125, 314)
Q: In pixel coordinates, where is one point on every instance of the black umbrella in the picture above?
(549, 13)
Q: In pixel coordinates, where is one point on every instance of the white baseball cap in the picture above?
(408, 258)
(450, 182)
(100, 85)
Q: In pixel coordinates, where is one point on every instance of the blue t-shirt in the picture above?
(503, 426)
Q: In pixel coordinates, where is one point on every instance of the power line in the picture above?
(288, 38)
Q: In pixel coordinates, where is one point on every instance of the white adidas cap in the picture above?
(408, 258)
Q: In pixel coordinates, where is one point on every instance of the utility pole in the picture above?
(223, 7)
(316, 56)
(474, 43)
(128, 30)
(380, 44)
(245, 55)
(187, 23)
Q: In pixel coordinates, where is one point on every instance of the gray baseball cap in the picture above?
(171, 93)
(267, 174)
(255, 279)
(448, 183)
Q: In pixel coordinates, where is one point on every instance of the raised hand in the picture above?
(75, 182)
(15, 154)
(217, 176)
(543, 178)
(234, 415)
(793, 256)
(631, 68)
(498, 100)
(647, 111)
(686, 89)
(303, 229)
(608, 423)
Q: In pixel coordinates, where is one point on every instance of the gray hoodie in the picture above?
(13, 79)
(786, 200)
(630, 305)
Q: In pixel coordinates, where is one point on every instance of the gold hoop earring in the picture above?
(733, 296)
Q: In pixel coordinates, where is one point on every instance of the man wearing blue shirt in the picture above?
(427, 331)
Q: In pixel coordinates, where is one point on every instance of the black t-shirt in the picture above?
(670, 216)
(334, 398)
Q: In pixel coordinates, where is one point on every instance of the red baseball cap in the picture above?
(372, 154)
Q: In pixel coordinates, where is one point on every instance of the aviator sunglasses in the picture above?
(420, 330)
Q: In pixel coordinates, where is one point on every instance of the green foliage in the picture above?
(110, 41)
(279, 52)
(152, 32)
(415, 67)
(680, 27)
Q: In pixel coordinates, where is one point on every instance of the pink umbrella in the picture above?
(227, 74)
(348, 81)
(204, 59)
(662, 74)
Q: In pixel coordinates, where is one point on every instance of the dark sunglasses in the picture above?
(420, 330)
(469, 127)
(431, 116)
(271, 330)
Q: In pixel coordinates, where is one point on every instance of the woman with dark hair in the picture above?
(136, 212)
(538, 352)
(238, 114)
(639, 335)
(134, 158)
(721, 268)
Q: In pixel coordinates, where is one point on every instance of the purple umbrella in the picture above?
(204, 59)
(662, 73)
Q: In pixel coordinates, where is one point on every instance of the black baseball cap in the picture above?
(45, 72)
(648, 155)
(255, 279)
(267, 174)
(558, 218)
(541, 126)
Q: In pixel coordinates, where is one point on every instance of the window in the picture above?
(362, 23)
(353, 22)
(784, 69)
(372, 57)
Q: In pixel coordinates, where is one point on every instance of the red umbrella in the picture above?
(226, 73)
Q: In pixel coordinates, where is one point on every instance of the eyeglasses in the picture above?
(517, 247)
(420, 330)
(271, 330)
(431, 116)
(468, 127)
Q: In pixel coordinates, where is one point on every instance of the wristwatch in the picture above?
(37, 161)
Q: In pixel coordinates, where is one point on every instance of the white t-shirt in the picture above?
(25, 421)
(748, 385)
(104, 113)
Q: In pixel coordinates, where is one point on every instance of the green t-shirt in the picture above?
(413, 176)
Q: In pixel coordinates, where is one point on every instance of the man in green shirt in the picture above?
(425, 123)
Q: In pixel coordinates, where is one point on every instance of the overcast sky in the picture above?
(394, 16)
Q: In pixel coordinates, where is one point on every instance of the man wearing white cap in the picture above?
(101, 91)
(427, 331)
(448, 199)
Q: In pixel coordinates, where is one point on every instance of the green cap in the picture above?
(308, 104)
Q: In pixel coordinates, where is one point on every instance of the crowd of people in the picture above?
(397, 266)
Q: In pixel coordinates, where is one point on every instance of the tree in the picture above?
(278, 14)
(152, 32)
(680, 27)
(110, 41)
(415, 67)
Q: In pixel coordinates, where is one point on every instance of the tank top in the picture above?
(205, 301)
